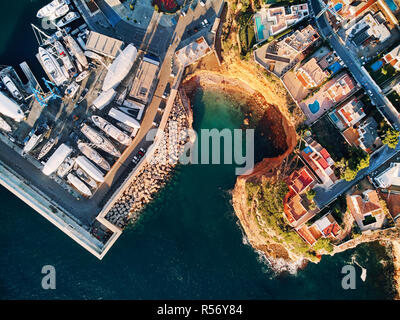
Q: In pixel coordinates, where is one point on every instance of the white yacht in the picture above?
(72, 89)
(71, 16)
(66, 59)
(46, 148)
(99, 141)
(50, 8)
(35, 138)
(52, 67)
(85, 178)
(120, 67)
(93, 155)
(65, 167)
(76, 50)
(11, 87)
(83, 75)
(59, 12)
(4, 125)
(79, 185)
(111, 130)
(10, 109)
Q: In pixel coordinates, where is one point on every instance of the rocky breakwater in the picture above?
(155, 173)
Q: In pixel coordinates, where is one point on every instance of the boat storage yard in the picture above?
(62, 138)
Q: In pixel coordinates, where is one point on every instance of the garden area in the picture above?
(166, 6)
(394, 98)
(330, 138)
(246, 32)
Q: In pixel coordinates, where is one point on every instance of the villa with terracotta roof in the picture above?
(349, 9)
(393, 57)
(325, 227)
(298, 209)
(341, 88)
(311, 74)
(329, 94)
(367, 210)
(320, 161)
(364, 135)
(348, 114)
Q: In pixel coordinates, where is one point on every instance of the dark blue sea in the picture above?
(187, 243)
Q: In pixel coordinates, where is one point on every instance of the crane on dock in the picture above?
(44, 98)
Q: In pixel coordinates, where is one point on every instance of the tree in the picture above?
(310, 194)
(357, 161)
(323, 244)
(391, 138)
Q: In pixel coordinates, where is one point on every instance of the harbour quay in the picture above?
(73, 144)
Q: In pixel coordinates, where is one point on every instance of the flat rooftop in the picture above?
(103, 44)
(193, 52)
(144, 79)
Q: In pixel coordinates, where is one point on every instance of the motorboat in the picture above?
(52, 67)
(111, 130)
(72, 89)
(65, 167)
(4, 125)
(79, 185)
(71, 16)
(59, 12)
(46, 148)
(93, 155)
(10, 108)
(76, 50)
(50, 8)
(11, 87)
(65, 57)
(85, 178)
(83, 75)
(99, 141)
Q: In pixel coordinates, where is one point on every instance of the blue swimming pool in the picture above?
(338, 6)
(334, 117)
(335, 67)
(392, 5)
(377, 65)
(260, 28)
(314, 107)
(307, 150)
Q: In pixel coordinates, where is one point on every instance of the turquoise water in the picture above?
(314, 107)
(392, 5)
(260, 28)
(187, 244)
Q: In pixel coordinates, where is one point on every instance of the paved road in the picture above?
(154, 32)
(325, 196)
(359, 73)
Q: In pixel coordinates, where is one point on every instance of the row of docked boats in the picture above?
(58, 9)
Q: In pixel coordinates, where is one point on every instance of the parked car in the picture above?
(203, 3)
(167, 91)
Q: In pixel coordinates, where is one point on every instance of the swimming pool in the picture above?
(338, 6)
(335, 67)
(260, 28)
(377, 65)
(334, 117)
(314, 107)
(392, 5)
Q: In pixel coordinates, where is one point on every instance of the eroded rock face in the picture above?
(285, 139)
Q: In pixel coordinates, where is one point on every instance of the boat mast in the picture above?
(39, 34)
